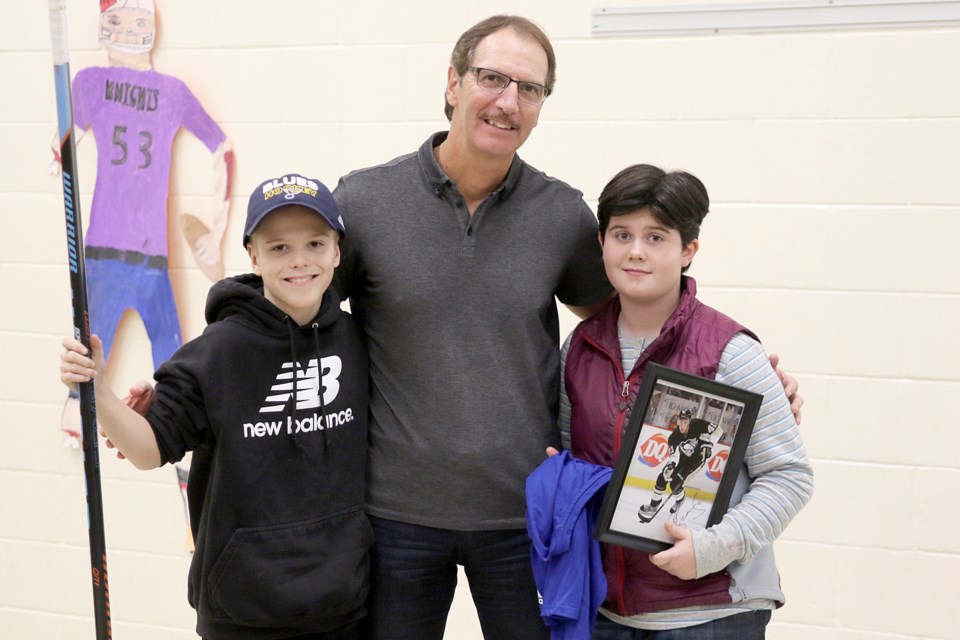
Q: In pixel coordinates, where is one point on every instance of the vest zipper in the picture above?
(617, 438)
(622, 412)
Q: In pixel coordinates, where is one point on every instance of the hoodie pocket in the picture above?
(273, 576)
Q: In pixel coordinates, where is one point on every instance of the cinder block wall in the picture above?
(832, 161)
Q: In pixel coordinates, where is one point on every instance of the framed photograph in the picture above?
(679, 458)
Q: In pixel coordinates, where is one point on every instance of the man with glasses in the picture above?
(455, 257)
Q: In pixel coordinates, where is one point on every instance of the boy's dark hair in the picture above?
(462, 55)
(677, 200)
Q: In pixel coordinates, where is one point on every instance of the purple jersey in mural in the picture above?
(135, 116)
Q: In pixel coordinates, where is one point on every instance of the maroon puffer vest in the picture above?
(691, 340)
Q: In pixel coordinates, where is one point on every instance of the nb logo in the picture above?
(306, 383)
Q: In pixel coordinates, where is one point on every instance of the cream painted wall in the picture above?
(832, 160)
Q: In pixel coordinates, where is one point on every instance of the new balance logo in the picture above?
(306, 383)
(309, 424)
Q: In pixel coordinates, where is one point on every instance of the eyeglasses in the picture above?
(496, 82)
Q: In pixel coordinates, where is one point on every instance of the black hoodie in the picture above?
(276, 487)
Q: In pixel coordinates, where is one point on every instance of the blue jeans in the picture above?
(414, 573)
(742, 626)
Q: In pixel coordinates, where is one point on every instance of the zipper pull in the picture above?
(625, 396)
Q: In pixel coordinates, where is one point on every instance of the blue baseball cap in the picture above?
(286, 190)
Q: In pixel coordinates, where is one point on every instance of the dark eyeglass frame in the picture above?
(521, 95)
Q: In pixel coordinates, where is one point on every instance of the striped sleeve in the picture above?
(563, 420)
(775, 460)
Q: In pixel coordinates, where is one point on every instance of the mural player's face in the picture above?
(128, 30)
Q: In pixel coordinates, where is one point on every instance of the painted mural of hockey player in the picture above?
(135, 113)
(691, 445)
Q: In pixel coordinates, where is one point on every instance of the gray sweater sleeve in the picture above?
(781, 478)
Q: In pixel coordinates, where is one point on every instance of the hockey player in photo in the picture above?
(691, 445)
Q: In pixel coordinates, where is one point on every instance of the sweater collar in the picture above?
(601, 329)
(439, 181)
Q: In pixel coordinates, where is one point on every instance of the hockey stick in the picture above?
(81, 321)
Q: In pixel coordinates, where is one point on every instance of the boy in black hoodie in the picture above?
(272, 400)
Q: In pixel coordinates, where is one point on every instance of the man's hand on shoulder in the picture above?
(790, 387)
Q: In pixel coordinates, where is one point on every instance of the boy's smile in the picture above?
(295, 251)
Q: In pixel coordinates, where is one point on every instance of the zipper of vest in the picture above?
(617, 437)
(625, 396)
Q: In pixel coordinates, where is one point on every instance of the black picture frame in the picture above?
(645, 453)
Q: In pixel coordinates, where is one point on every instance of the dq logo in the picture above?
(716, 464)
(654, 450)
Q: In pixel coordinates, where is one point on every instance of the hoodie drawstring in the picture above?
(320, 388)
(296, 380)
(295, 366)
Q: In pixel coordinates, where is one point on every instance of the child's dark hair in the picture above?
(677, 200)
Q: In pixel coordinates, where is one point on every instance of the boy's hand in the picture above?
(76, 366)
(679, 559)
(140, 398)
(790, 387)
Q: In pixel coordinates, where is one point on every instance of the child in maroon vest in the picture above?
(721, 580)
